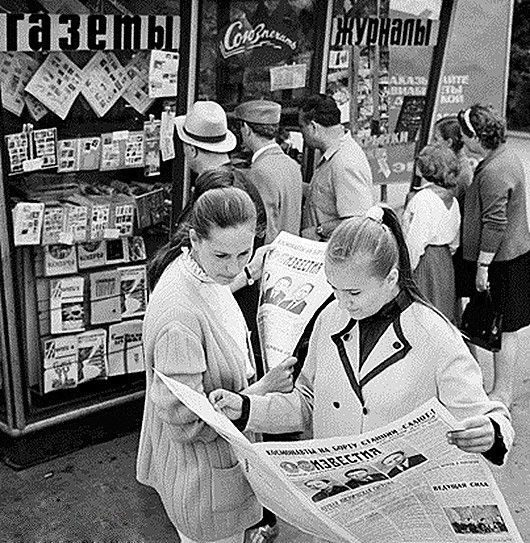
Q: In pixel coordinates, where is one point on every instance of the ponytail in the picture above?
(406, 279)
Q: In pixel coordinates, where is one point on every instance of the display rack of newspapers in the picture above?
(89, 173)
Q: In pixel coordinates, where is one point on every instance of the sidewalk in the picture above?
(91, 495)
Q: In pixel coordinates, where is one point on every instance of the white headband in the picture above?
(467, 122)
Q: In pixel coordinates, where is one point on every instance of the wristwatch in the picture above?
(319, 231)
(250, 279)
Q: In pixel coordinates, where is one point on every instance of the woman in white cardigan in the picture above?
(194, 332)
(377, 352)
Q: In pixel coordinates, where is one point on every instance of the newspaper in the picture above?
(402, 482)
(293, 287)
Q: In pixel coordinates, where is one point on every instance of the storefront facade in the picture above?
(392, 67)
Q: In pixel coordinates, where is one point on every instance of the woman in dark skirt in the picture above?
(496, 234)
(431, 222)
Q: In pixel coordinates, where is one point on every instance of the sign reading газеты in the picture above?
(71, 32)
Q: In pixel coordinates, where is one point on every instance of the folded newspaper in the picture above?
(401, 483)
(293, 286)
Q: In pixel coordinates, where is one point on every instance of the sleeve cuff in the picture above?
(498, 450)
(242, 421)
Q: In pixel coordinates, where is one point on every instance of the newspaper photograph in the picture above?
(402, 482)
(293, 286)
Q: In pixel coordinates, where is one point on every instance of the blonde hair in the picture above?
(379, 237)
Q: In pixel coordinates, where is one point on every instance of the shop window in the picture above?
(90, 192)
(257, 49)
(518, 109)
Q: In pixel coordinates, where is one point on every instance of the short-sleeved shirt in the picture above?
(341, 185)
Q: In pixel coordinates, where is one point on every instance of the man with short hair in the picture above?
(341, 186)
(276, 176)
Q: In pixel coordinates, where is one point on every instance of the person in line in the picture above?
(377, 352)
(195, 333)
(447, 132)
(362, 476)
(496, 235)
(277, 177)
(326, 488)
(431, 222)
(341, 185)
(396, 462)
(296, 302)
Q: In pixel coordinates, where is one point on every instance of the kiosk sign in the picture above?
(268, 44)
(73, 32)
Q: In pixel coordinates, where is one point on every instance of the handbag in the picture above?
(481, 323)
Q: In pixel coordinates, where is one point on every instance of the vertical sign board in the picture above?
(395, 54)
(476, 56)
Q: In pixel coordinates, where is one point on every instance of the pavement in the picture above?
(91, 495)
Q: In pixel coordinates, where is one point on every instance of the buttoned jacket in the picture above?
(418, 357)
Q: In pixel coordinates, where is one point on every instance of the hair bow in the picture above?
(375, 213)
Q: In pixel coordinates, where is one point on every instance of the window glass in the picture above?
(256, 49)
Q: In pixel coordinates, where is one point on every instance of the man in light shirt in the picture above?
(276, 176)
(341, 186)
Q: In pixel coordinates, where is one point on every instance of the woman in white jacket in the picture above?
(377, 352)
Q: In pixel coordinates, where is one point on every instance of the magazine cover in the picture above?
(67, 309)
(92, 355)
(134, 351)
(27, 222)
(105, 297)
(91, 254)
(60, 259)
(116, 350)
(60, 363)
(133, 286)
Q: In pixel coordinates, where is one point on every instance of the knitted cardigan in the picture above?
(201, 485)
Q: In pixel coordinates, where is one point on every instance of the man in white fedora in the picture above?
(277, 176)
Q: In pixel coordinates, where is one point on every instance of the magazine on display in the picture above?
(402, 482)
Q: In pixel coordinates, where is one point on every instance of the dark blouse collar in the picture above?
(391, 310)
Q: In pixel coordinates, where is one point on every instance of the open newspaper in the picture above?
(401, 483)
(293, 286)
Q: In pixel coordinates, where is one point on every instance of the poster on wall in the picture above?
(136, 91)
(103, 82)
(163, 74)
(389, 59)
(56, 83)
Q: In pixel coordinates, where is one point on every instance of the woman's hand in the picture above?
(278, 379)
(255, 266)
(481, 280)
(476, 436)
(226, 402)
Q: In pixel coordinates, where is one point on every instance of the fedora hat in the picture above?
(205, 126)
